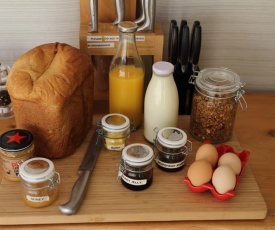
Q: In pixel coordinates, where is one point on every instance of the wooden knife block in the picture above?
(101, 45)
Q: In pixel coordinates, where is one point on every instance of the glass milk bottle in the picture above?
(161, 101)
(126, 76)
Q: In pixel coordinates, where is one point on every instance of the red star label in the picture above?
(16, 138)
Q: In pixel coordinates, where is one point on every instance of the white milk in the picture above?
(161, 101)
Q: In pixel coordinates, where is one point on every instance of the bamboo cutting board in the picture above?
(167, 199)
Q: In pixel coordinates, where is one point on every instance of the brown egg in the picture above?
(208, 152)
(224, 179)
(200, 172)
(232, 160)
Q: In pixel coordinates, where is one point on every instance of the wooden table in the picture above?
(255, 129)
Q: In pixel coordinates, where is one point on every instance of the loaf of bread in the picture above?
(51, 89)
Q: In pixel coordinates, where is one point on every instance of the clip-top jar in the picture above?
(6, 110)
(215, 102)
(136, 166)
(16, 146)
(115, 131)
(38, 179)
(126, 76)
(171, 149)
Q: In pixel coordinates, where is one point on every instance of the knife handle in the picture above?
(77, 194)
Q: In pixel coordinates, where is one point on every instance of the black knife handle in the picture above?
(184, 45)
(77, 194)
(192, 40)
(196, 45)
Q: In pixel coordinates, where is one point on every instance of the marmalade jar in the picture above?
(217, 94)
(115, 131)
(171, 149)
(38, 179)
(136, 167)
(16, 146)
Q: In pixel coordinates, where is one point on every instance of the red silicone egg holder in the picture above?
(244, 156)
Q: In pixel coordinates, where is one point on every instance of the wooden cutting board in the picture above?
(167, 199)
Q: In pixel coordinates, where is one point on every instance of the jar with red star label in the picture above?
(16, 146)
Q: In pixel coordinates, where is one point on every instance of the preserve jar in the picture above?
(217, 94)
(6, 109)
(126, 76)
(136, 167)
(16, 146)
(38, 181)
(161, 101)
(115, 131)
(171, 149)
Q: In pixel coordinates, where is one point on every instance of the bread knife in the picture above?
(85, 170)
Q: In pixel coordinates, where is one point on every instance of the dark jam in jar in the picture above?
(171, 149)
(136, 167)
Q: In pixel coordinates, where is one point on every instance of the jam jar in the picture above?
(171, 149)
(6, 110)
(115, 131)
(136, 167)
(38, 179)
(214, 106)
(16, 146)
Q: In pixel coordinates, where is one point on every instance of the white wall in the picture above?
(236, 34)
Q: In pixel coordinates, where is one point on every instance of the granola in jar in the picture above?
(215, 103)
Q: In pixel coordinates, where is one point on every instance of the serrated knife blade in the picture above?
(84, 172)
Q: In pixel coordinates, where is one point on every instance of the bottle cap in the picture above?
(115, 122)
(127, 27)
(172, 137)
(163, 68)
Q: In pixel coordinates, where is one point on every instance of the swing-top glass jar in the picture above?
(217, 94)
(136, 167)
(115, 131)
(38, 179)
(171, 149)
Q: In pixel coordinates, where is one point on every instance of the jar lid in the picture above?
(137, 154)
(16, 140)
(37, 169)
(115, 122)
(163, 68)
(127, 27)
(219, 80)
(172, 137)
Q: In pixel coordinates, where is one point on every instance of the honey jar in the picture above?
(116, 131)
(136, 167)
(16, 146)
(171, 149)
(38, 179)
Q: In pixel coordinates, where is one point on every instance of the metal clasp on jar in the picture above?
(239, 98)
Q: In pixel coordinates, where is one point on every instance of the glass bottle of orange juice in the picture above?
(126, 76)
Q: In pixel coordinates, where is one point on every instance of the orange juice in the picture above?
(126, 92)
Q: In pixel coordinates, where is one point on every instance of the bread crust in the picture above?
(51, 89)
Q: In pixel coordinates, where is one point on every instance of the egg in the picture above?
(232, 160)
(207, 152)
(223, 179)
(200, 172)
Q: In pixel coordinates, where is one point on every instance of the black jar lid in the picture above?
(16, 140)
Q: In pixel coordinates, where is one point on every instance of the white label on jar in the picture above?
(169, 165)
(132, 181)
(101, 45)
(38, 199)
(115, 147)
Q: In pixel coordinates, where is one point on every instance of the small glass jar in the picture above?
(171, 149)
(16, 146)
(116, 131)
(215, 102)
(136, 167)
(6, 109)
(38, 179)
